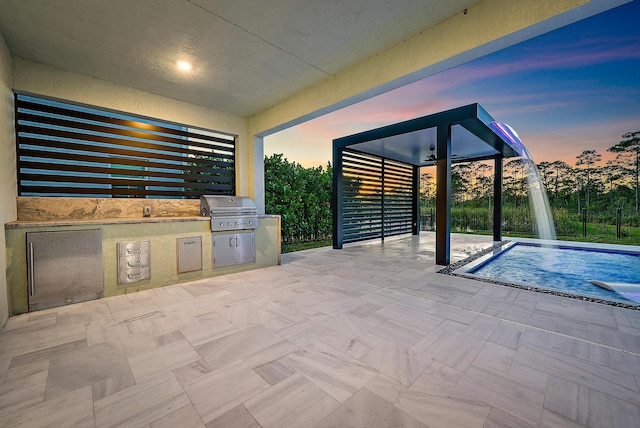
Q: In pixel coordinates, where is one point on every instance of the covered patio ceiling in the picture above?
(474, 136)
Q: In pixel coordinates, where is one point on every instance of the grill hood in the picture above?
(219, 205)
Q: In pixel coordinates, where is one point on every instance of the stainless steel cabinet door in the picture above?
(224, 250)
(233, 249)
(245, 248)
(64, 267)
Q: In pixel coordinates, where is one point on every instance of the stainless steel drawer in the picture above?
(126, 276)
(133, 248)
(136, 261)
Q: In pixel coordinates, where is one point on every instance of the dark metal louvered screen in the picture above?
(71, 150)
(377, 197)
(362, 196)
(398, 198)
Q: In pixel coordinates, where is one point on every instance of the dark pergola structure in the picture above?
(376, 173)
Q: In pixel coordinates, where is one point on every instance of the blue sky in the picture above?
(573, 89)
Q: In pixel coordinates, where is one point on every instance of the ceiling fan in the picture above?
(432, 156)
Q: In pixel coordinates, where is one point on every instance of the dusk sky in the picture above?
(574, 89)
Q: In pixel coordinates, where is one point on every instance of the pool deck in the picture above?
(367, 336)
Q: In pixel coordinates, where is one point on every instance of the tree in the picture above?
(427, 185)
(614, 172)
(631, 144)
(515, 181)
(563, 181)
(588, 158)
(302, 197)
(460, 181)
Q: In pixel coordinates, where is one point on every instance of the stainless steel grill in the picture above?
(229, 212)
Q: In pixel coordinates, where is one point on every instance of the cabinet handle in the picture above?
(134, 250)
(32, 281)
(189, 243)
(236, 241)
(138, 263)
(231, 242)
(138, 275)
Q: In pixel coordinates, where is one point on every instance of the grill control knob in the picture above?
(221, 223)
(237, 223)
(229, 224)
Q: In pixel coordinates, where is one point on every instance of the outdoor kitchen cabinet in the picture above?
(63, 267)
(233, 249)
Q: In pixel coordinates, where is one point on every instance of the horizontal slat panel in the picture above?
(377, 197)
(108, 117)
(86, 139)
(44, 162)
(141, 193)
(67, 149)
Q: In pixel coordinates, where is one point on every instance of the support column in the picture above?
(497, 199)
(337, 197)
(415, 209)
(383, 210)
(443, 195)
(258, 174)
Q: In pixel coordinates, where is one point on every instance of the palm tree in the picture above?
(630, 144)
(588, 158)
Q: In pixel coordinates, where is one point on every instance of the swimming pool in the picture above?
(563, 267)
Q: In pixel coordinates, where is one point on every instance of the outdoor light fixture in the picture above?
(184, 65)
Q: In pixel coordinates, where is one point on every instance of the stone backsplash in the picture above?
(58, 208)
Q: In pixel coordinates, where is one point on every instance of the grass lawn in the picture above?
(299, 246)
(599, 233)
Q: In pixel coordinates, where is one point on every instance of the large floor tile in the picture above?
(397, 362)
(85, 366)
(141, 404)
(600, 378)
(233, 347)
(334, 372)
(368, 410)
(433, 408)
(22, 393)
(294, 402)
(221, 390)
(74, 409)
(588, 407)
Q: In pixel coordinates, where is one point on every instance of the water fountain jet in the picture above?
(537, 195)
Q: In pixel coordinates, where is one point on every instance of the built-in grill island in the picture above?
(233, 223)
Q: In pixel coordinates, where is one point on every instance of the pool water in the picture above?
(565, 269)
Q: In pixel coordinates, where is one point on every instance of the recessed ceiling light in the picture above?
(184, 66)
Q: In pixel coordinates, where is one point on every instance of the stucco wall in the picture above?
(7, 167)
(44, 80)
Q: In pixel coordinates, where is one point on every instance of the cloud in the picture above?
(565, 143)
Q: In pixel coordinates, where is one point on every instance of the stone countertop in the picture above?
(100, 221)
(97, 222)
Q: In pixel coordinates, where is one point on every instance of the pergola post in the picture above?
(443, 195)
(337, 199)
(497, 199)
(415, 209)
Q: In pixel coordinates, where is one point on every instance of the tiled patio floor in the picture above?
(368, 336)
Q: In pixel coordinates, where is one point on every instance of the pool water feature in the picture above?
(553, 266)
(563, 267)
(541, 210)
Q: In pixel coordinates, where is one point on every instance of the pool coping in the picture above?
(461, 268)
